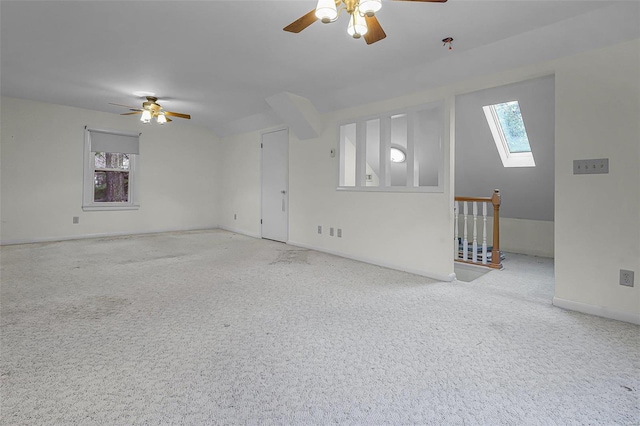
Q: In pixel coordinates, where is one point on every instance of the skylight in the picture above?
(509, 134)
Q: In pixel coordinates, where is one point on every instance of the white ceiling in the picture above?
(220, 60)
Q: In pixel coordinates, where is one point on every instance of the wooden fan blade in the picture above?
(168, 120)
(131, 113)
(374, 31)
(126, 106)
(302, 23)
(177, 114)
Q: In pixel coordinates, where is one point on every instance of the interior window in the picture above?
(398, 151)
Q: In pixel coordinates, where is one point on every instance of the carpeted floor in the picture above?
(217, 328)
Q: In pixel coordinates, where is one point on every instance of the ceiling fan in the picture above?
(362, 19)
(152, 109)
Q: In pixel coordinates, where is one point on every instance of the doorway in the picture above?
(275, 185)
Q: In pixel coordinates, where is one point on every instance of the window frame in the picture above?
(88, 190)
(508, 158)
(360, 123)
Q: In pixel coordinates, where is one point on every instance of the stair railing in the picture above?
(465, 253)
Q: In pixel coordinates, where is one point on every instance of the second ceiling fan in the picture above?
(362, 17)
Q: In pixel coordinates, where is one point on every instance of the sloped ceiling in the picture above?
(220, 60)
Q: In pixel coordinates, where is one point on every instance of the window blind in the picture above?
(105, 141)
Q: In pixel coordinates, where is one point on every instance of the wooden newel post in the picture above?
(495, 253)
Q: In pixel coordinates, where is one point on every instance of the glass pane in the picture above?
(111, 160)
(398, 170)
(427, 150)
(512, 125)
(111, 186)
(372, 172)
(348, 155)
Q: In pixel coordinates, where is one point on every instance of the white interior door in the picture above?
(275, 185)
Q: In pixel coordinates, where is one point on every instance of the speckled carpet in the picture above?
(217, 328)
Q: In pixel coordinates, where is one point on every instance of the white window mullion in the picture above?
(411, 177)
(385, 151)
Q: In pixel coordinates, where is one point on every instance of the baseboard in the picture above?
(599, 311)
(98, 235)
(447, 278)
(239, 231)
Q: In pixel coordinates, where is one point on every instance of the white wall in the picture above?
(240, 184)
(42, 169)
(525, 236)
(392, 229)
(527, 192)
(596, 217)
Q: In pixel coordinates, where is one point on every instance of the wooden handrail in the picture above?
(495, 201)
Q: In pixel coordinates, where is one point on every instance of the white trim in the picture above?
(88, 175)
(599, 311)
(446, 278)
(417, 189)
(99, 235)
(110, 207)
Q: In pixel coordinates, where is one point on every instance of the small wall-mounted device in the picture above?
(332, 153)
(589, 167)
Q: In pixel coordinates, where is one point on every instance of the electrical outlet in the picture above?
(76, 219)
(331, 232)
(339, 233)
(319, 229)
(626, 278)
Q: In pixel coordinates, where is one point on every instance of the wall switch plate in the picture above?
(331, 232)
(626, 278)
(590, 167)
(339, 233)
(319, 229)
(76, 219)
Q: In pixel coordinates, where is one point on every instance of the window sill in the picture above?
(94, 207)
(405, 189)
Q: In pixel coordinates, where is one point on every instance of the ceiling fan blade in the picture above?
(168, 119)
(131, 113)
(426, 1)
(375, 31)
(177, 114)
(126, 106)
(302, 23)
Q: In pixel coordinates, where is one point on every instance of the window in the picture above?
(509, 134)
(399, 151)
(109, 170)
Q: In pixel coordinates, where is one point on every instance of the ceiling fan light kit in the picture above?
(370, 7)
(326, 11)
(357, 25)
(362, 17)
(152, 109)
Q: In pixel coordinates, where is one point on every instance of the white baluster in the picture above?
(474, 255)
(484, 233)
(465, 242)
(456, 244)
